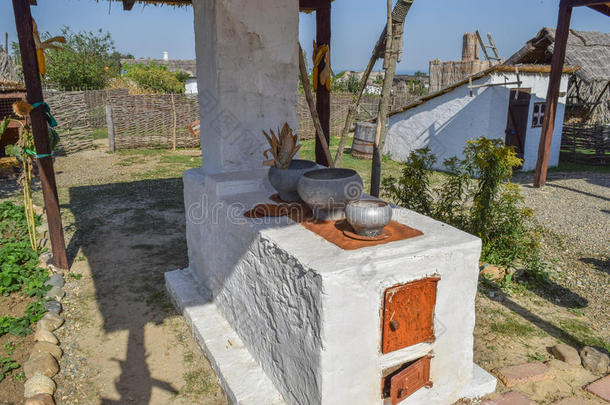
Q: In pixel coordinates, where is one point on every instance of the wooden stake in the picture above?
(399, 13)
(386, 92)
(110, 126)
(23, 21)
(312, 108)
(552, 95)
(174, 129)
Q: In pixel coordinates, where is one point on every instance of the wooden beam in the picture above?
(23, 21)
(128, 4)
(312, 5)
(588, 3)
(552, 95)
(602, 8)
(322, 94)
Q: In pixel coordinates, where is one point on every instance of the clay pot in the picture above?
(285, 181)
(368, 217)
(327, 191)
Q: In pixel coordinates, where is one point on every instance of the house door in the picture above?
(516, 125)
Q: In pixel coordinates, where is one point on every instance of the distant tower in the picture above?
(165, 55)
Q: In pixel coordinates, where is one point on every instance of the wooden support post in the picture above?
(552, 95)
(396, 33)
(312, 108)
(110, 126)
(23, 21)
(322, 94)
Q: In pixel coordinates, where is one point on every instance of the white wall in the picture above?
(247, 77)
(190, 87)
(446, 122)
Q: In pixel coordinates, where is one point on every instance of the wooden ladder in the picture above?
(492, 46)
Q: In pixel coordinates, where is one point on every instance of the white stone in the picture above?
(446, 122)
(242, 379)
(247, 77)
(309, 312)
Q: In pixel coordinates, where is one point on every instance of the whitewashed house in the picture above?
(500, 102)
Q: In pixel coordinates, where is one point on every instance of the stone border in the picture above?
(43, 363)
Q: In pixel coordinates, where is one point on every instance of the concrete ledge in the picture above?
(243, 380)
(482, 383)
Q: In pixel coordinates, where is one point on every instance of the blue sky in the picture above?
(434, 27)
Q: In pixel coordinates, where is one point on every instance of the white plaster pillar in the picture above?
(247, 76)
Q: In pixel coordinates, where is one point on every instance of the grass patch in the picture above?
(100, 133)
(511, 327)
(362, 166)
(196, 383)
(578, 332)
(181, 159)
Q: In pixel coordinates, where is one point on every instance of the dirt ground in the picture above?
(15, 348)
(124, 343)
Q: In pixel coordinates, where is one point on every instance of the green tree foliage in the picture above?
(476, 196)
(83, 62)
(155, 78)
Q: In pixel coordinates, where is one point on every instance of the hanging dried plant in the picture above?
(283, 147)
(22, 108)
(23, 150)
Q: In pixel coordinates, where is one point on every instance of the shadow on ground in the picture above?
(131, 233)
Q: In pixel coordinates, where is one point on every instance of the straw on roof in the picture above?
(478, 75)
(588, 50)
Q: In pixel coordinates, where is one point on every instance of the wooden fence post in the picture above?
(31, 76)
(110, 126)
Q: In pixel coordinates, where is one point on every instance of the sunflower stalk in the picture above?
(22, 151)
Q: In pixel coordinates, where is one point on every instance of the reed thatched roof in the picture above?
(544, 69)
(588, 50)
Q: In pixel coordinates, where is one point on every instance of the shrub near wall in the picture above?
(477, 197)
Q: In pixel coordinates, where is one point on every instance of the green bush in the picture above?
(475, 196)
(83, 62)
(155, 78)
(19, 271)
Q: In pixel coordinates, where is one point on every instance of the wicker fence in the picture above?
(589, 144)
(147, 120)
(339, 106)
(72, 114)
(96, 101)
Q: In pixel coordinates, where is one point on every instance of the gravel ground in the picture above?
(574, 211)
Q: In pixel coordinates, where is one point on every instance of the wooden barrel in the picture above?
(364, 137)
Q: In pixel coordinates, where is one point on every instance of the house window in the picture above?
(538, 115)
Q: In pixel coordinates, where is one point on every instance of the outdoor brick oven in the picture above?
(284, 315)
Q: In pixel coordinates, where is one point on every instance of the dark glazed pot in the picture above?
(327, 191)
(368, 217)
(285, 180)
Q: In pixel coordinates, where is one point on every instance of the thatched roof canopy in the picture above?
(589, 50)
(306, 5)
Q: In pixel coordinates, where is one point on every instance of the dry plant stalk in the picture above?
(23, 149)
(283, 147)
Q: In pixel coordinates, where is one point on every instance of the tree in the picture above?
(83, 62)
(155, 78)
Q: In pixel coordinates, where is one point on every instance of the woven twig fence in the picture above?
(70, 110)
(147, 120)
(589, 144)
(339, 106)
(96, 103)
